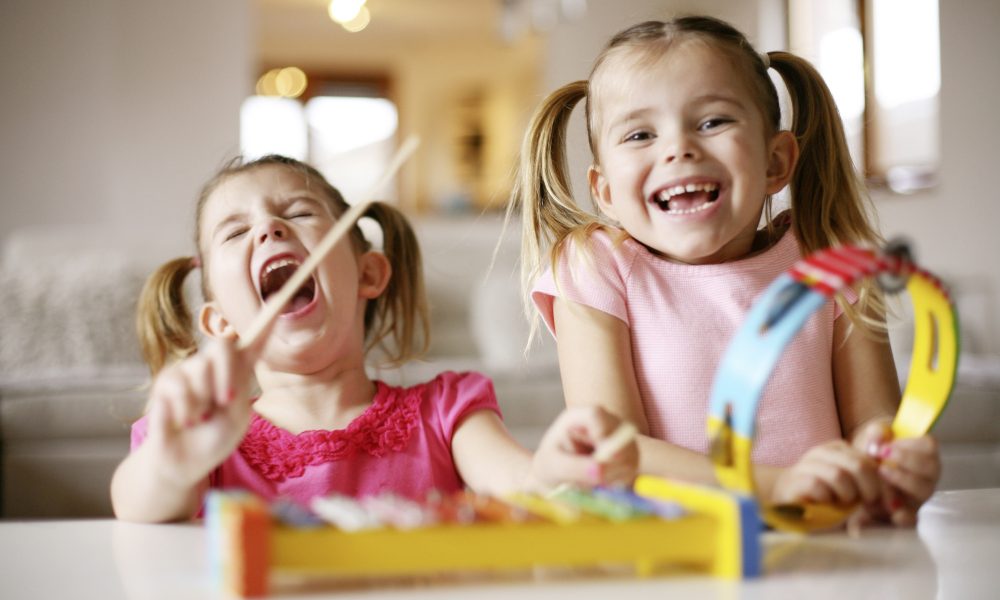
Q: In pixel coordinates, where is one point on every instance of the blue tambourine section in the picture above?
(772, 322)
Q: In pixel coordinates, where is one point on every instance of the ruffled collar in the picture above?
(384, 427)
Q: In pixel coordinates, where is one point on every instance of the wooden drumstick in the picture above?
(608, 447)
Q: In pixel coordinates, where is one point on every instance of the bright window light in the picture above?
(907, 55)
(272, 125)
(841, 61)
(346, 123)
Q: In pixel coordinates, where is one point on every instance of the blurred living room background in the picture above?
(114, 112)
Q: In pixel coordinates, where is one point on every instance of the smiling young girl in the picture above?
(644, 293)
(319, 424)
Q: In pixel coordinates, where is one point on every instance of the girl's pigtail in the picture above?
(829, 205)
(542, 191)
(399, 315)
(828, 202)
(163, 319)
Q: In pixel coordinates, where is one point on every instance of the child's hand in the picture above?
(831, 473)
(909, 469)
(566, 452)
(199, 409)
(912, 468)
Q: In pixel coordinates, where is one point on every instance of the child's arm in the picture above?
(868, 397)
(595, 361)
(199, 411)
(491, 461)
(864, 378)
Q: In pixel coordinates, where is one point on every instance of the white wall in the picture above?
(114, 112)
(955, 228)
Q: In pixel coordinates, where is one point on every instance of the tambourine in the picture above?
(778, 315)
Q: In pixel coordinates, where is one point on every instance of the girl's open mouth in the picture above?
(273, 276)
(686, 199)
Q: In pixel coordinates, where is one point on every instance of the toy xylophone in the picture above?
(778, 315)
(658, 524)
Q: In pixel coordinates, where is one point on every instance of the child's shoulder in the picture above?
(461, 381)
(442, 380)
(447, 398)
(603, 244)
(445, 388)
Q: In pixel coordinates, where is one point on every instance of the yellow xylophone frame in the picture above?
(719, 535)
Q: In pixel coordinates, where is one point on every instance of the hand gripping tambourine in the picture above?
(776, 318)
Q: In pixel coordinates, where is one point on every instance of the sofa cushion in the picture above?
(68, 312)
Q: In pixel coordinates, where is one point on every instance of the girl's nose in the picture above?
(273, 229)
(681, 149)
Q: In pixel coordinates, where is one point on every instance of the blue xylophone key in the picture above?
(664, 510)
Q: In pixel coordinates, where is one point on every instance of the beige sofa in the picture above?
(71, 378)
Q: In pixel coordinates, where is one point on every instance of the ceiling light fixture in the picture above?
(352, 15)
(359, 22)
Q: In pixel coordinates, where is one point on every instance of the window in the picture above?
(344, 127)
(891, 115)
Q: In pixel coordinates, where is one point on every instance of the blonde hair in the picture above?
(828, 206)
(396, 321)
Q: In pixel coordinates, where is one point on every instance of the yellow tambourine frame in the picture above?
(776, 318)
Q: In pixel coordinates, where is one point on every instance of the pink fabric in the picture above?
(400, 444)
(681, 319)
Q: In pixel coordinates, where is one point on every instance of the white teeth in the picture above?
(281, 262)
(667, 194)
(689, 211)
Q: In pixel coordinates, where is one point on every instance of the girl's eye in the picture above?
(300, 214)
(638, 136)
(232, 235)
(710, 124)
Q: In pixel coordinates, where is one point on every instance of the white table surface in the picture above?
(953, 553)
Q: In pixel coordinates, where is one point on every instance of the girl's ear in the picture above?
(783, 154)
(374, 272)
(600, 191)
(212, 323)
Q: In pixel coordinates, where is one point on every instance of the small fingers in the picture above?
(803, 487)
(194, 389)
(576, 469)
(919, 456)
(911, 468)
(622, 469)
(595, 421)
(585, 428)
(837, 472)
(199, 377)
(914, 486)
(873, 435)
(228, 371)
(172, 390)
(853, 476)
(592, 448)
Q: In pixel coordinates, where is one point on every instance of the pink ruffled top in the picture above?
(400, 444)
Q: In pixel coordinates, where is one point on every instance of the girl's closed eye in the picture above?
(301, 209)
(234, 233)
